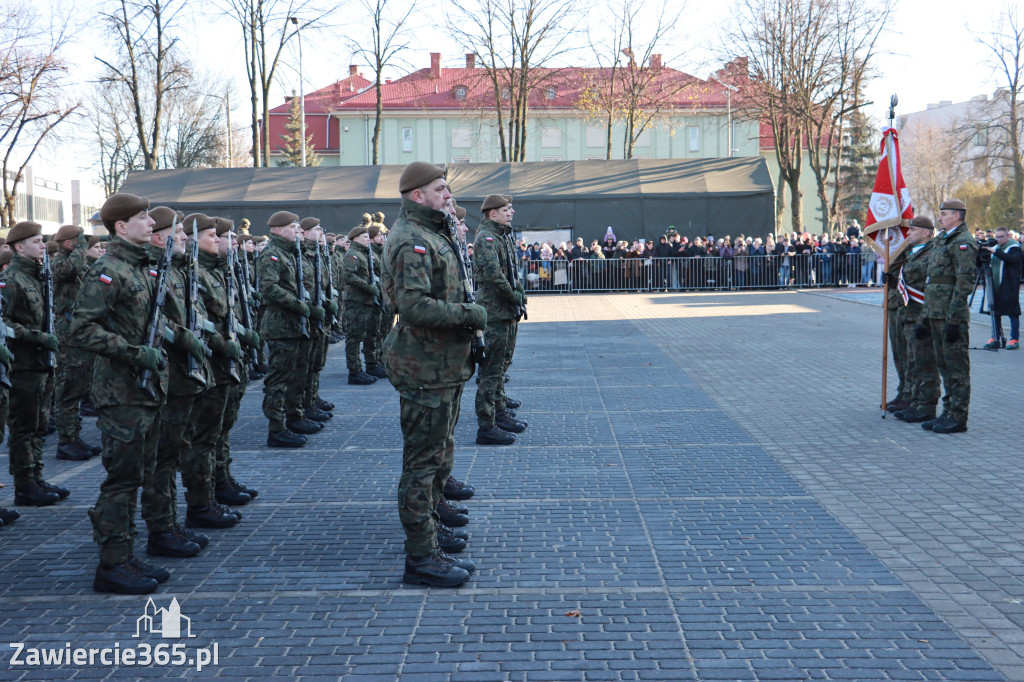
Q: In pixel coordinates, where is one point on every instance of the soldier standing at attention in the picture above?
(32, 369)
(284, 315)
(385, 318)
(111, 314)
(319, 330)
(428, 360)
(74, 367)
(922, 378)
(897, 343)
(361, 312)
(952, 270)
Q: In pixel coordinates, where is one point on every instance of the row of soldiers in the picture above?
(929, 320)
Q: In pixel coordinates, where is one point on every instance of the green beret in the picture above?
(357, 230)
(418, 174)
(23, 230)
(282, 219)
(494, 201)
(922, 221)
(953, 205)
(309, 223)
(121, 206)
(163, 217)
(67, 232)
(201, 221)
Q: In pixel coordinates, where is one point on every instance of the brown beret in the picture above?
(922, 221)
(494, 201)
(52, 247)
(67, 232)
(375, 229)
(243, 238)
(953, 205)
(357, 230)
(418, 174)
(309, 223)
(460, 213)
(223, 226)
(94, 240)
(259, 238)
(282, 219)
(163, 217)
(201, 221)
(2, 241)
(6, 257)
(121, 206)
(23, 230)
(179, 216)
(378, 216)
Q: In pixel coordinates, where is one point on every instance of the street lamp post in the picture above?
(729, 89)
(302, 97)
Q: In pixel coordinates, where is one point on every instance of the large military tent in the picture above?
(639, 198)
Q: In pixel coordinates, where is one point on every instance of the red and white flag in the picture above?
(890, 210)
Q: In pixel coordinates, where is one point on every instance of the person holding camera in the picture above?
(952, 272)
(1006, 266)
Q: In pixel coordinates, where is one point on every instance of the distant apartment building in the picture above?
(53, 197)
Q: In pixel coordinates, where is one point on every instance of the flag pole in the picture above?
(889, 150)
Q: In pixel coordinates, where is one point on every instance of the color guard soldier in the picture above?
(922, 377)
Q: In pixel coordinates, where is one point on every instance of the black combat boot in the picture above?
(161, 575)
(209, 516)
(461, 562)
(62, 492)
(94, 449)
(434, 571)
(506, 422)
(456, 507)
(285, 439)
(949, 425)
(191, 536)
(361, 379)
(449, 516)
(86, 409)
(325, 405)
(251, 492)
(34, 495)
(455, 489)
(457, 532)
(511, 404)
(169, 543)
(915, 415)
(122, 579)
(306, 426)
(226, 494)
(73, 452)
(927, 426)
(494, 436)
(377, 371)
(447, 541)
(316, 414)
(8, 516)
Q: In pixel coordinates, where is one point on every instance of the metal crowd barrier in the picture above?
(700, 274)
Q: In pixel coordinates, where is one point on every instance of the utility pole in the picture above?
(302, 97)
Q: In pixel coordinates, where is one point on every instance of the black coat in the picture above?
(1008, 294)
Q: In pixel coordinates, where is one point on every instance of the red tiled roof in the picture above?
(329, 98)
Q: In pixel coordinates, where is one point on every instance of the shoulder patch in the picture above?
(153, 272)
(106, 279)
(963, 247)
(3, 285)
(419, 249)
(273, 258)
(489, 239)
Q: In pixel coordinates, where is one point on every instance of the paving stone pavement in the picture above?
(706, 491)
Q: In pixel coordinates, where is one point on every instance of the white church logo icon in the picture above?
(164, 622)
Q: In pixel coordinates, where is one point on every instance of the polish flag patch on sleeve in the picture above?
(153, 272)
(490, 239)
(963, 247)
(106, 279)
(419, 249)
(273, 258)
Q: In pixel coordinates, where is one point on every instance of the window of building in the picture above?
(596, 136)
(406, 139)
(462, 138)
(643, 139)
(981, 137)
(506, 94)
(460, 92)
(641, 156)
(44, 208)
(551, 158)
(694, 132)
(595, 158)
(549, 94)
(461, 159)
(550, 137)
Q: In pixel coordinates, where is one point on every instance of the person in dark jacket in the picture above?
(1006, 272)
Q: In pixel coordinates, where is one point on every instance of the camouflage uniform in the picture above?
(952, 269)
(896, 341)
(922, 377)
(31, 376)
(74, 367)
(514, 326)
(319, 332)
(110, 321)
(427, 356)
(495, 293)
(361, 315)
(338, 263)
(386, 319)
(280, 328)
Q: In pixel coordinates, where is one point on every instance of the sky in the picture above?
(929, 55)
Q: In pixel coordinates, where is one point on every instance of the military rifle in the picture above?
(330, 278)
(231, 333)
(46, 274)
(192, 306)
(300, 286)
(378, 300)
(5, 333)
(242, 273)
(513, 273)
(156, 307)
(479, 345)
(318, 289)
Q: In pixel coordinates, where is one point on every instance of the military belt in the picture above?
(941, 280)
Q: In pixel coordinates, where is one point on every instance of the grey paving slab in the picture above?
(663, 518)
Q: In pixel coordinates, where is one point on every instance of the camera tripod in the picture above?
(988, 295)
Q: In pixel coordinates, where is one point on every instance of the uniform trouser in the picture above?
(208, 417)
(130, 435)
(73, 381)
(278, 405)
(361, 322)
(922, 377)
(428, 453)
(318, 360)
(222, 452)
(386, 320)
(173, 452)
(490, 395)
(898, 344)
(954, 364)
(5, 400)
(27, 418)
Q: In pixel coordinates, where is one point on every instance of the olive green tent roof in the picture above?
(637, 197)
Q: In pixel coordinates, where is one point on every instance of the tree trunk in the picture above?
(377, 117)
(780, 201)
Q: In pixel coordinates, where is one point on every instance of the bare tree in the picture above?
(148, 66)
(388, 39)
(930, 164)
(196, 135)
(117, 147)
(33, 79)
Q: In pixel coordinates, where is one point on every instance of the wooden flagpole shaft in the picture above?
(891, 162)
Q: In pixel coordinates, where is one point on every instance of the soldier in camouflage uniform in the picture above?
(320, 332)
(74, 367)
(32, 370)
(922, 377)
(428, 360)
(111, 315)
(285, 322)
(6, 515)
(952, 271)
(385, 318)
(897, 344)
(341, 245)
(362, 314)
